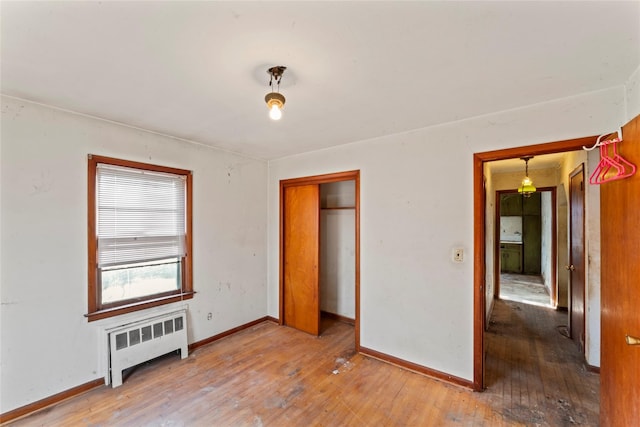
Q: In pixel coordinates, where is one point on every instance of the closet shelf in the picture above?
(338, 208)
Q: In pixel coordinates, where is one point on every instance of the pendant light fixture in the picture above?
(274, 99)
(527, 187)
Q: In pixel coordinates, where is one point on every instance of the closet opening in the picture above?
(320, 252)
(337, 252)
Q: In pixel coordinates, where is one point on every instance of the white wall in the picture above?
(337, 262)
(489, 229)
(47, 344)
(338, 248)
(546, 233)
(562, 245)
(416, 206)
(341, 194)
(592, 238)
(632, 96)
(511, 228)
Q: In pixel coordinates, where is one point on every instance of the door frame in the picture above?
(353, 175)
(479, 237)
(554, 243)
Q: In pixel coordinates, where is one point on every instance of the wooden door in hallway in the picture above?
(620, 290)
(576, 257)
(301, 235)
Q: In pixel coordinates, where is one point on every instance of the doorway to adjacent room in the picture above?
(525, 252)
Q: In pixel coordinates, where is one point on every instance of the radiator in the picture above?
(143, 340)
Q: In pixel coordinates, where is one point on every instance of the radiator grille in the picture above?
(140, 341)
(159, 329)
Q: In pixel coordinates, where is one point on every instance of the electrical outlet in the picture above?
(458, 255)
(209, 316)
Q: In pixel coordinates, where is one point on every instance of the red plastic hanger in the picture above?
(610, 168)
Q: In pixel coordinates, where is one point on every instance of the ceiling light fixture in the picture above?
(274, 99)
(527, 187)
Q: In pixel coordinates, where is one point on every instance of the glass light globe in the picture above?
(275, 112)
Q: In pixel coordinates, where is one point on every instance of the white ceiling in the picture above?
(356, 70)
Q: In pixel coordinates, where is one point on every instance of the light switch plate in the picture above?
(458, 255)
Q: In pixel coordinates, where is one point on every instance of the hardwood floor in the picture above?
(276, 376)
(536, 370)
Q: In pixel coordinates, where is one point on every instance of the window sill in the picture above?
(136, 306)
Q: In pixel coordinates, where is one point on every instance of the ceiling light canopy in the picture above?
(527, 187)
(274, 99)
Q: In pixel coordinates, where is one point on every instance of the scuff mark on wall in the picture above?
(42, 184)
(229, 170)
(16, 113)
(222, 285)
(234, 168)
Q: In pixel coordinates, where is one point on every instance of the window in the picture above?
(139, 236)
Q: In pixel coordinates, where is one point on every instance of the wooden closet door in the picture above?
(301, 257)
(620, 290)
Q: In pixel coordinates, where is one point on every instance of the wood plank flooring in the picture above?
(276, 376)
(535, 371)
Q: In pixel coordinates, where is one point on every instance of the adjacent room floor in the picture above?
(524, 288)
(270, 375)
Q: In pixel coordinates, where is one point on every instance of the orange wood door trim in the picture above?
(479, 260)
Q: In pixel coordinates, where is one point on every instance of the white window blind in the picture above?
(140, 215)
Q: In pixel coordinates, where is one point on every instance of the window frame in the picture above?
(97, 310)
